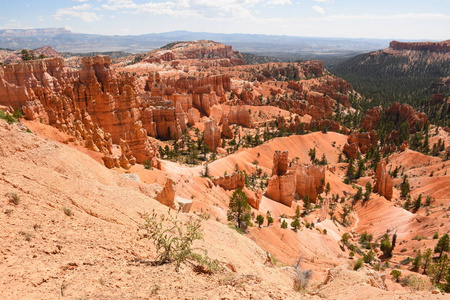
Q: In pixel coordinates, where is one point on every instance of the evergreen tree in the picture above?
(295, 224)
(350, 175)
(368, 191)
(417, 203)
(426, 259)
(306, 203)
(327, 188)
(442, 245)
(439, 269)
(386, 246)
(417, 262)
(239, 209)
(361, 169)
(269, 218)
(259, 220)
(358, 195)
(405, 188)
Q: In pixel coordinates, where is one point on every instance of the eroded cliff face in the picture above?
(100, 107)
(287, 180)
(94, 105)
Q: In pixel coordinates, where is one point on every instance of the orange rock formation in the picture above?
(383, 181)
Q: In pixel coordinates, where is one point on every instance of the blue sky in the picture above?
(413, 19)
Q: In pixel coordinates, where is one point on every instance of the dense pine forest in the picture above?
(412, 77)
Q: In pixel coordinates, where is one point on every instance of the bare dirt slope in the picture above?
(96, 253)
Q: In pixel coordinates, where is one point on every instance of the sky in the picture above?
(386, 19)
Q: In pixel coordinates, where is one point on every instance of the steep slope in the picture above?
(95, 252)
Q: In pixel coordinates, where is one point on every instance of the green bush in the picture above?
(396, 274)
(7, 117)
(358, 264)
(369, 257)
(174, 242)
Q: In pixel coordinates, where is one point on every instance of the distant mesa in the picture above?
(443, 47)
(33, 32)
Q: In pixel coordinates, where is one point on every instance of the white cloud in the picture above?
(325, 1)
(81, 11)
(318, 9)
(80, 0)
(280, 2)
(204, 9)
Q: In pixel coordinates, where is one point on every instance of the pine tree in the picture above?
(417, 262)
(358, 195)
(368, 191)
(259, 220)
(417, 203)
(361, 169)
(269, 218)
(239, 209)
(442, 245)
(295, 224)
(386, 246)
(439, 269)
(306, 203)
(350, 175)
(405, 188)
(426, 259)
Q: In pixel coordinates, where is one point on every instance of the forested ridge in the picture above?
(411, 77)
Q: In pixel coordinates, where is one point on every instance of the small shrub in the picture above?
(369, 257)
(345, 237)
(13, 198)
(396, 274)
(302, 279)
(413, 282)
(436, 236)
(358, 264)
(154, 289)
(324, 231)
(27, 235)
(295, 224)
(67, 211)
(174, 242)
(148, 164)
(284, 224)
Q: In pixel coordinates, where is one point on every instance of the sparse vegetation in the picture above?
(174, 240)
(67, 211)
(13, 198)
(359, 263)
(396, 274)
